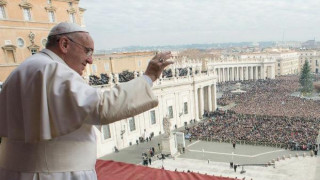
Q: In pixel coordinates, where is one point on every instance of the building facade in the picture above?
(313, 57)
(25, 25)
(116, 63)
(181, 99)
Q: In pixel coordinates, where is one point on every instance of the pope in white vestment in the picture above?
(47, 113)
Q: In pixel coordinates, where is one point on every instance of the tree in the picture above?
(306, 79)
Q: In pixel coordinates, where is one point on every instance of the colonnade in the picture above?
(241, 73)
(205, 96)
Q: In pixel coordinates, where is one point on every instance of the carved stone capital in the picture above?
(3, 2)
(9, 47)
(50, 8)
(33, 47)
(25, 5)
(71, 10)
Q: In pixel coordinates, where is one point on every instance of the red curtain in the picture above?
(111, 170)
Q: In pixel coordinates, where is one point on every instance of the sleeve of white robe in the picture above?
(43, 101)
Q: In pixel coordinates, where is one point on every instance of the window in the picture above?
(170, 112)
(72, 17)
(139, 63)
(132, 124)
(51, 16)
(49, 1)
(106, 132)
(34, 51)
(20, 42)
(185, 107)
(27, 14)
(10, 56)
(153, 117)
(2, 13)
(70, 4)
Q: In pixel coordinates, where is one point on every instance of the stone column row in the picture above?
(200, 101)
(242, 73)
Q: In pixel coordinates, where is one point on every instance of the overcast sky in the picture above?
(119, 23)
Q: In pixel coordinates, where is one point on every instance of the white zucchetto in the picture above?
(66, 27)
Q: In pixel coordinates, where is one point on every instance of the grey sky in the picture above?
(118, 23)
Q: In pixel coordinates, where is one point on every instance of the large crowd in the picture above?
(267, 112)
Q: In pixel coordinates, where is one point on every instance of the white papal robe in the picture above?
(46, 117)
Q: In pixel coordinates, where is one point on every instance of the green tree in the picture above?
(306, 79)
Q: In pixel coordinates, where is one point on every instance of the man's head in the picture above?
(71, 43)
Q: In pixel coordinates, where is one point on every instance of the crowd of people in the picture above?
(124, 76)
(229, 126)
(272, 97)
(266, 113)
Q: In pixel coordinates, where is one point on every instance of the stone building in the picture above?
(25, 25)
(118, 62)
(313, 56)
(285, 61)
(181, 99)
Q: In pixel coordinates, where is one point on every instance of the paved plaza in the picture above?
(242, 154)
(302, 168)
(221, 154)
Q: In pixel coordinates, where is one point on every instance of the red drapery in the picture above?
(111, 170)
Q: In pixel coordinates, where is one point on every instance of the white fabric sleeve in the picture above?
(126, 100)
(41, 103)
(149, 80)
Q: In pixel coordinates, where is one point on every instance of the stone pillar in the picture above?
(241, 73)
(135, 74)
(232, 74)
(223, 76)
(201, 102)
(263, 73)
(116, 78)
(256, 75)
(227, 74)
(214, 97)
(245, 70)
(218, 74)
(209, 98)
(251, 73)
(196, 104)
(236, 73)
(173, 71)
(247, 73)
(110, 79)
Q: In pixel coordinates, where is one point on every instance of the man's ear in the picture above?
(63, 45)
